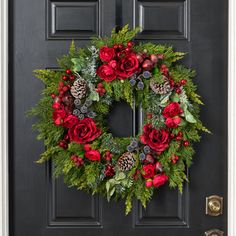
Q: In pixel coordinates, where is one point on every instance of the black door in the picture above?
(40, 32)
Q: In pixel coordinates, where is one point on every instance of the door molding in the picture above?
(4, 197)
(232, 119)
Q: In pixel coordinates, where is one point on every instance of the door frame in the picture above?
(4, 197)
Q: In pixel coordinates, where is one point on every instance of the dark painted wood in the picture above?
(40, 32)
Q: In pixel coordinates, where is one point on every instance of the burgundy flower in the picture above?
(128, 65)
(159, 180)
(148, 171)
(173, 122)
(172, 110)
(58, 116)
(84, 131)
(106, 72)
(106, 54)
(157, 139)
(93, 155)
(70, 121)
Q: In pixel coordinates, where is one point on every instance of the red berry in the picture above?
(178, 84)
(180, 134)
(72, 77)
(149, 115)
(68, 72)
(127, 49)
(61, 84)
(178, 138)
(160, 56)
(172, 135)
(115, 46)
(186, 143)
(130, 44)
(103, 90)
(74, 157)
(172, 83)
(183, 81)
(120, 46)
(178, 90)
(64, 77)
(65, 88)
(100, 85)
(63, 144)
(53, 95)
(87, 147)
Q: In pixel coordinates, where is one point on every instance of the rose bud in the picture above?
(158, 166)
(148, 183)
(87, 147)
(149, 158)
(160, 180)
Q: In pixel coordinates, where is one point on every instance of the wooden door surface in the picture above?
(40, 32)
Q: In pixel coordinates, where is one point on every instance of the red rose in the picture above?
(128, 66)
(148, 171)
(106, 72)
(173, 122)
(58, 116)
(159, 180)
(172, 110)
(113, 64)
(84, 131)
(93, 155)
(157, 139)
(106, 54)
(70, 121)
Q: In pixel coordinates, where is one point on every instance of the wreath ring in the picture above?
(77, 99)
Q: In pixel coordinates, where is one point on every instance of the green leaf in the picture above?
(120, 176)
(175, 98)
(189, 117)
(94, 96)
(78, 63)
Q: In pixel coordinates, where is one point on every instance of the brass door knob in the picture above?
(214, 205)
(214, 232)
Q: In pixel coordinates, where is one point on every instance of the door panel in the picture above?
(40, 32)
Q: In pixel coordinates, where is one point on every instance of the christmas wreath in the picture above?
(77, 99)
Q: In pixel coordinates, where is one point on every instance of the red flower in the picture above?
(173, 122)
(84, 131)
(58, 116)
(159, 180)
(106, 54)
(93, 155)
(158, 140)
(148, 171)
(106, 72)
(172, 110)
(70, 121)
(128, 65)
(113, 64)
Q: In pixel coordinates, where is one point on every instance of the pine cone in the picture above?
(161, 88)
(126, 161)
(79, 88)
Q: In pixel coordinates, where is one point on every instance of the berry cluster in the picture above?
(78, 161)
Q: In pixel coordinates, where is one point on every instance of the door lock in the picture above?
(214, 232)
(214, 205)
